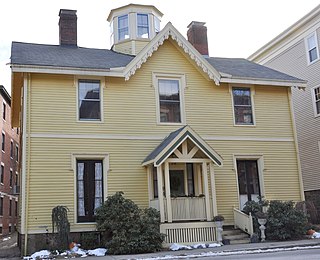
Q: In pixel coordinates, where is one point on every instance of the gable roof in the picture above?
(174, 140)
(29, 57)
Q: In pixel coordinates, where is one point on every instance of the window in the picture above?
(316, 98)
(16, 208)
(89, 100)
(11, 149)
(312, 48)
(156, 24)
(2, 173)
(242, 106)
(111, 33)
(123, 28)
(155, 183)
(143, 26)
(169, 101)
(4, 106)
(3, 141)
(1, 206)
(17, 153)
(190, 179)
(89, 188)
(10, 208)
(11, 178)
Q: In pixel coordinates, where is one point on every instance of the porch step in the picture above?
(236, 236)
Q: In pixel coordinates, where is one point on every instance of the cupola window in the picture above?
(143, 26)
(123, 27)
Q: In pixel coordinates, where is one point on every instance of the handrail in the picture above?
(243, 221)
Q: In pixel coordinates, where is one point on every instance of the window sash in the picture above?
(123, 27)
(89, 98)
(317, 99)
(143, 26)
(169, 101)
(312, 47)
(242, 105)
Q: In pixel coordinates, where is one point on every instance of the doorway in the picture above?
(248, 181)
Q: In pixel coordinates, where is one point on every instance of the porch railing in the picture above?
(184, 208)
(243, 221)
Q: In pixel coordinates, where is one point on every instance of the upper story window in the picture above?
(156, 24)
(169, 98)
(3, 144)
(89, 100)
(312, 48)
(111, 33)
(242, 105)
(2, 173)
(123, 27)
(316, 95)
(4, 108)
(142, 26)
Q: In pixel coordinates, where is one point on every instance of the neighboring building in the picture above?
(296, 52)
(172, 128)
(9, 162)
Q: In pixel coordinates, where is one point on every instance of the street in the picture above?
(308, 254)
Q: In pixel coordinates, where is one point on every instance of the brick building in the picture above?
(9, 161)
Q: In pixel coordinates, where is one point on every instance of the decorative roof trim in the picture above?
(170, 31)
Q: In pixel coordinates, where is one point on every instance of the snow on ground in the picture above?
(316, 235)
(227, 253)
(175, 247)
(6, 239)
(45, 254)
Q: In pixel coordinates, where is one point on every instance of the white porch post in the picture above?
(167, 188)
(213, 190)
(160, 193)
(150, 184)
(206, 190)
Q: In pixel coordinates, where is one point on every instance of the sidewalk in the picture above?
(227, 249)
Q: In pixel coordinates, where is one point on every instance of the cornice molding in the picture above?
(170, 31)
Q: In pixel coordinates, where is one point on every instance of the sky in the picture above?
(236, 28)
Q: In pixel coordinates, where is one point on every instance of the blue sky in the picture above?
(235, 28)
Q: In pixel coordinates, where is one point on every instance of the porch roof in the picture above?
(174, 140)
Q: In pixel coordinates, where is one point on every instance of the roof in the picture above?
(242, 68)
(78, 57)
(174, 140)
(5, 94)
(66, 56)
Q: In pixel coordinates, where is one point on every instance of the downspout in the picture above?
(296, 144)
(26, 116)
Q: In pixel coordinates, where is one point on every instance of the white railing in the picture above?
(184, 208)
(243, 221)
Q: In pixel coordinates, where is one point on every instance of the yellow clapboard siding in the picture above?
(129, 109)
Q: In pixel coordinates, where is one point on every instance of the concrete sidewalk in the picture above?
(233, 249)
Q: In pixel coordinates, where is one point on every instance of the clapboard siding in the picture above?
(293, 61)
(129, 109)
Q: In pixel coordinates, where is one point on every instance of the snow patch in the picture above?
(175, 246)
(316, 235)
(98, 252)
(6, 239)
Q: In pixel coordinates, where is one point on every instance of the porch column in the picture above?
(206, 190)
(213, 190)
(160, 193)
(150, 184)
(168, 195)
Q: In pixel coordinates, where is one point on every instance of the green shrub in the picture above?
(132, 230)
(59, 218)
(90, 240)
(284, 221)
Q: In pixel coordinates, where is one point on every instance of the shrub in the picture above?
(132, 230)
(60, 221)
(284, 221)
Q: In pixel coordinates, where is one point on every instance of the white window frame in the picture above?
(182, 85)
(102, 86)
(105, 168)
(252, 93)
(137, 25)
(314, 101)
(314, 34)
(260, 163)
(118, 27)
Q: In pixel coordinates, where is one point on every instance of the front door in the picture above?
(248, 181)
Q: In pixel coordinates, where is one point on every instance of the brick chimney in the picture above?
(197, 36)
(68, 27)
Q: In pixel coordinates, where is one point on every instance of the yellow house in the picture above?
(155, 117)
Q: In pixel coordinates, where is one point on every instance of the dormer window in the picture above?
(312, 48)
(123, 27)
(156, 24)
(142, 26)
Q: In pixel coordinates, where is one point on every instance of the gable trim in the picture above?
(170, 31)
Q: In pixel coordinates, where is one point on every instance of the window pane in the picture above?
(317, 99)
(242, 106)
(169, 89)
(313, 55)
(243, 115)
(241, 96)
(156, 24)
(89, 100)
(177, 183)
(123, 29)
(143, 26)
(311, 42)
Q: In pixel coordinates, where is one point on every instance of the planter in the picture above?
(262, 222)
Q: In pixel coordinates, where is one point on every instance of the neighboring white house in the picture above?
(296, 52)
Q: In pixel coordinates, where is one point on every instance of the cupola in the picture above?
(133, 26)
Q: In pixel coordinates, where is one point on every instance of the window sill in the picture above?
(244, 125)
(179, 124)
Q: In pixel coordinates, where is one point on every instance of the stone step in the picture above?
(236, 237)
(240, 241)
